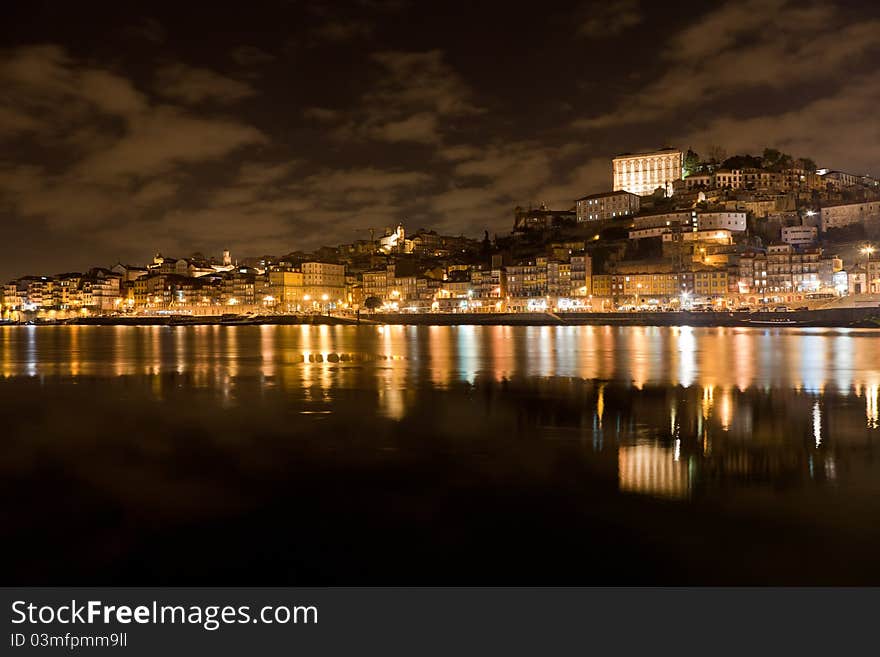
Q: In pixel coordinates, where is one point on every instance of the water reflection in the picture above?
(686, 411)
(514, 443)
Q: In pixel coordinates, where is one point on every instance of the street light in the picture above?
(867, 250)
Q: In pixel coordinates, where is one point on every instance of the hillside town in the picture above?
(674, 231)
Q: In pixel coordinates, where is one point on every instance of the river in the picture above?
(322, 455)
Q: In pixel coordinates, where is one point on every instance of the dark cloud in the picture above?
(608, 19)
(747, 47)
(250, 56)
(413, 100)
(148, 29)
(192, 85)
(322, 114)
(338, 31)
(109, 156)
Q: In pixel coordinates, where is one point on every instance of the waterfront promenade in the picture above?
(855, 317)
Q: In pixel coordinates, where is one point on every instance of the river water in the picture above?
(324, 455)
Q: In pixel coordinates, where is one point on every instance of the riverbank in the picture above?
(829, 318)
(859, 317)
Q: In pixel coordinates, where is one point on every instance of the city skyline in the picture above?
(739, 233)
(287, 126)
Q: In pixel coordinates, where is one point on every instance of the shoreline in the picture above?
(829, 318)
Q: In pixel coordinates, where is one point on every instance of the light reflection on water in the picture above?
(760, 421)
(802, 359)
(683, 397)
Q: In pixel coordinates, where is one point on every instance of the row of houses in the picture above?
(542, 283)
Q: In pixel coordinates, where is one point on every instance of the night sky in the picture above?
(266, 127)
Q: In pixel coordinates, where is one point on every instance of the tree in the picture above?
(808, 164)
(372, 303)
(742, 162)
(770, 157)
(775, 159)
(717, 155)
(691, 163)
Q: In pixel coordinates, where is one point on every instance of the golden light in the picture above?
(867, 250)
(307, 297)
(324, 297)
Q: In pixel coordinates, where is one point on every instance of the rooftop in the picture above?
(659, 151)
(606, 195)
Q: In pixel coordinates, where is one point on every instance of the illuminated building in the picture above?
(286, 287)
(541, 219)
(841, 179)
(732, 221)
(644, 173)
(710, 284)
(713, 236)
(647, 284)
(872, 275)
(407, 288)
(581, 276)
(601, 285)
(558, 278)
(857, 281)
(15, 294)
(608, 205)
(241, 288)
(799, 235)
(785, 269)
(753, 273)
(786, 180)
(323, 283)
(395, 241)
(489, 283)
(847, 214)
(100, 289)
(129, 272)
(375, 283)
(524, 280)
(657, 225)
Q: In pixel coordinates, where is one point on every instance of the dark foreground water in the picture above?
(439, 455)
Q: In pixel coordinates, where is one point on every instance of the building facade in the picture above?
(323, 284)
(608, 205)
(799, 235)
(644, 173)
(847, 214)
